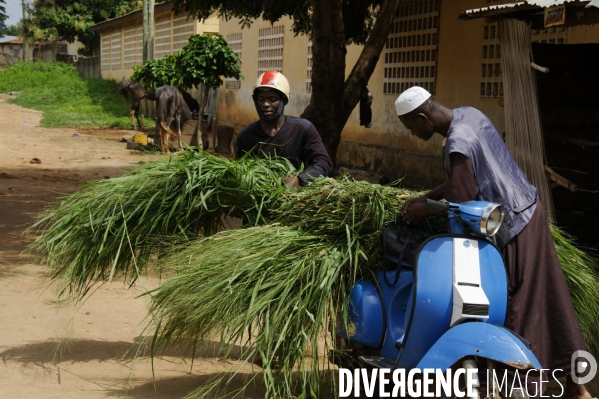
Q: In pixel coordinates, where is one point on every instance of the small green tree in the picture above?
(156, 73)
(206, 59)
(3, 18)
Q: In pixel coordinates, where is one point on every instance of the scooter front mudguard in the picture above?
(481, 340)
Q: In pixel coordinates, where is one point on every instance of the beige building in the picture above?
(11, 50)
(458, 61)
(121, 38)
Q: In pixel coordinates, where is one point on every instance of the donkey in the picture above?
(170, 108)
(136, 92)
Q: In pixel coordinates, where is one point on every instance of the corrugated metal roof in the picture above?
(132, 16)
(10, 39)
(551, 3)
(527, 4)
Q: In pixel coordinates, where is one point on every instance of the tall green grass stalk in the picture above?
(104, 230)
(66, 98)
(582, 275)
(281, 284)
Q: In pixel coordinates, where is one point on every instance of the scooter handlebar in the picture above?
(442, 206)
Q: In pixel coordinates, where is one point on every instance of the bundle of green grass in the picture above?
(112, 228)
(283, 277)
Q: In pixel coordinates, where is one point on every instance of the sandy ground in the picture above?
(109, 323)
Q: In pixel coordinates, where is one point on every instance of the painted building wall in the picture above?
(386, 148)
(121, 44)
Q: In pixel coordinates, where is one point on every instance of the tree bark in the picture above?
(326, 111)
(201, 130)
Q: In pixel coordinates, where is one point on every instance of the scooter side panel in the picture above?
(432, 306)
(366, 320)
(481, 340)
(396, 298)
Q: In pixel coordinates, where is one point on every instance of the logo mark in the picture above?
(579, 367)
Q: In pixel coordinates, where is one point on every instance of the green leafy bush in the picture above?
(156, 73)
(205, 59)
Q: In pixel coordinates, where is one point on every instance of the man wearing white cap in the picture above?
(276, 134)
(479, 166)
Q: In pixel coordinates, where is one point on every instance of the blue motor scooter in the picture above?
(446, 309)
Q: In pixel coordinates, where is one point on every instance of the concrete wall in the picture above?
(73, 48)
(583, 34)
(89, 67)
(210, 26)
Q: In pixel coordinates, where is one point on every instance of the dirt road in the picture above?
(108, 324)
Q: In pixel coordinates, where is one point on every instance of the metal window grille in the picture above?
(139, 40)
(491, 79)
(270, 49)
(182, 30)
(115, 49)
(162, 36)
(132, 45)
(309, 71)
(234, 41)
(105, 49)
(411, 48)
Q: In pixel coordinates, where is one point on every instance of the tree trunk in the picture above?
(326, 111)
(25, 39)
(201, 130)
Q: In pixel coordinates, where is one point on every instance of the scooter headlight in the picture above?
(482, 217)
(491, 219)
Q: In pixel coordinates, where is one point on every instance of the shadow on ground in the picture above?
(86, 350)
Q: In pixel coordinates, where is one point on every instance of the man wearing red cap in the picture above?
(285, 136)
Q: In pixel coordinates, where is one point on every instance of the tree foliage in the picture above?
(70, 20)
(156, 73)
(358, 14)
(204, 60)
(10, 30)
(3, 17)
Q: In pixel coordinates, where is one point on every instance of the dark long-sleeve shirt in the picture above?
(297, 140)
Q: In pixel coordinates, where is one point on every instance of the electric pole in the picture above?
(23, 22)
(151, 30)
(145, 31)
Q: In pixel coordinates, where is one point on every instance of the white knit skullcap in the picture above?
(411, 99)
